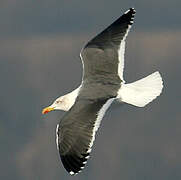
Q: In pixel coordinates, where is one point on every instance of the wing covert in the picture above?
(105, 52)
(76, 133)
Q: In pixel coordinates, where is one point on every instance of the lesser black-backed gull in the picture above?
(102, 83)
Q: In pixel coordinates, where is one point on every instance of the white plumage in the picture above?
(141, 92)
(103, 64)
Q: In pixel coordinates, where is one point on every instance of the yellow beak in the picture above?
(47, 110)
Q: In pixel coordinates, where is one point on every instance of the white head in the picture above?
(63, 103)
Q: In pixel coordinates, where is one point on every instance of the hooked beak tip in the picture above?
(47, 110)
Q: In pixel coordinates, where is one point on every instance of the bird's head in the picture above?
(61, 103)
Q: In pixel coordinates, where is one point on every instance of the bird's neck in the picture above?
(71, 97)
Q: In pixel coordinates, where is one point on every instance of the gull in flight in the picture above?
(102, 83)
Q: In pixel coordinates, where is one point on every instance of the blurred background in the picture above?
(40, 43)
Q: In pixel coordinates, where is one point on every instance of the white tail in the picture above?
(141, 92)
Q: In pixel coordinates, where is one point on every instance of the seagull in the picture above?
(102, 83)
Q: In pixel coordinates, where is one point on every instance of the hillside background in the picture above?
(40, 43)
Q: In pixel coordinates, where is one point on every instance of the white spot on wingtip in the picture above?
(89, 150)
(71, 173)
(131, 9)
(87, 157)
(127, 11)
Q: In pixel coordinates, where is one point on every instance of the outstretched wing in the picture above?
(76, 132)
(104, 54)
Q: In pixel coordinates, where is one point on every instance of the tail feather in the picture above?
(141, 92)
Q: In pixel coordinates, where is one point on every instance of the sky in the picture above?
(40, 42)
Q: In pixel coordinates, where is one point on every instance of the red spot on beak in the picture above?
(47, 110)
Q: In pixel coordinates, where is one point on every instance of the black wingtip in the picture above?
(130, 10)
(73, 163)
(130, 13)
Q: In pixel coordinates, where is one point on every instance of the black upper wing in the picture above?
(101, 60)
(76, 133)
(100, 56)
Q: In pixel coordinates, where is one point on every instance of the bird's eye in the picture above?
(58, 101)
